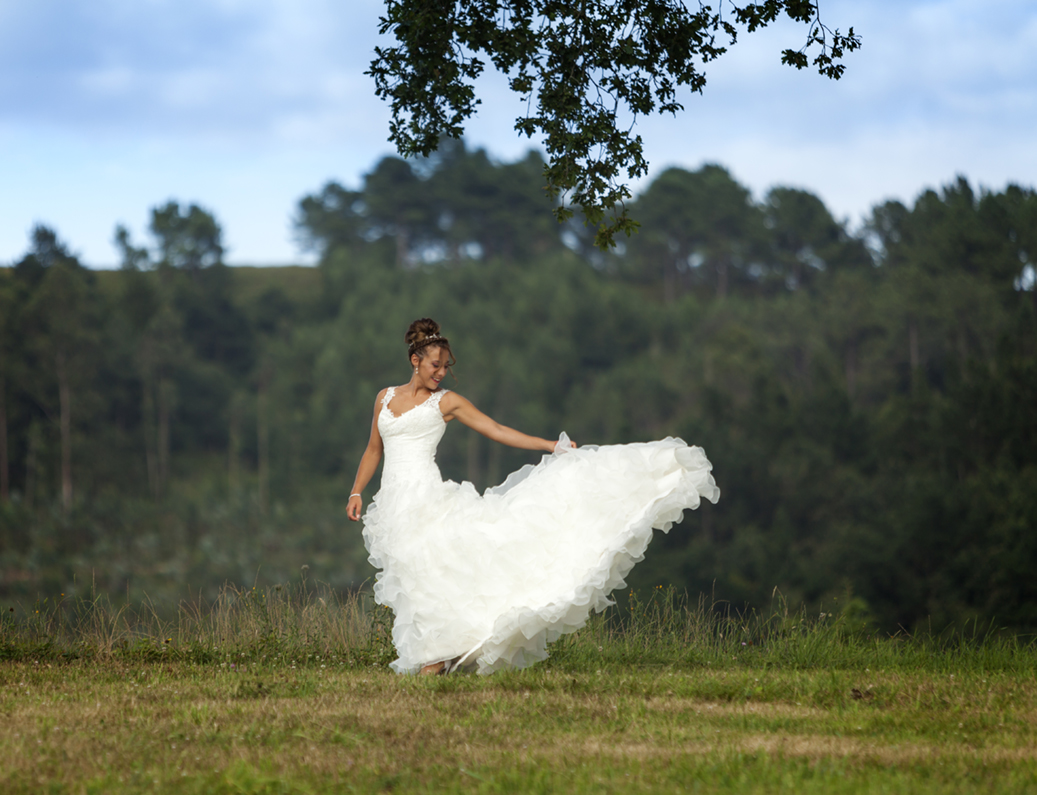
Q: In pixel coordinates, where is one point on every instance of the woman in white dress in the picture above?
(484, 582)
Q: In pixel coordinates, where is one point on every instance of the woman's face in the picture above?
(431, 369)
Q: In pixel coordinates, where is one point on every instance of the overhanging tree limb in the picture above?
(586, 70)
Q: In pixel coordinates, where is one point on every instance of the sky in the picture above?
(111, 107)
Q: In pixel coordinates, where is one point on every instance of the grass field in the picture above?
(285, 693)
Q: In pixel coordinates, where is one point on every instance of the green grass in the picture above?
(287, 691)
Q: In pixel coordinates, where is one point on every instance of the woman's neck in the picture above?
(415, 387)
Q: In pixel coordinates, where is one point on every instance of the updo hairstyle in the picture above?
(424, 333)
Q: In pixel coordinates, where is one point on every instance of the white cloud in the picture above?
(108, 107)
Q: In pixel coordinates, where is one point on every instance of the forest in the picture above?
(867, 396)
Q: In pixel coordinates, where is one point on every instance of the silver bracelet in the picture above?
(351, 496)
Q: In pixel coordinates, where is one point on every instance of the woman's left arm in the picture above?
(456, 407)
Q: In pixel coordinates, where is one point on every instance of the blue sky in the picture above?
(109, 107)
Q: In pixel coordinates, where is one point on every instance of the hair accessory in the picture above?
(425, 341)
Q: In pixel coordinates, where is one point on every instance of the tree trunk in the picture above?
(669, 282)
(797, 273)
(722, 278)
(148, 426)
(402, 245)
(295, 457)
(30, 466)
(912, 344)
(234, 449)
(851, 370)
(802, 365)
(65, 399)
(4, 472)
(263, 445)
(165, 399)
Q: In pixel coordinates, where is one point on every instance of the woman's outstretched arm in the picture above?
(456, 407)
(368, 464)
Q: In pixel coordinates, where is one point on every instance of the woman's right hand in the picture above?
(563, 445)
(355, 507)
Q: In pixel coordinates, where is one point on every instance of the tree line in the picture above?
(865, 395)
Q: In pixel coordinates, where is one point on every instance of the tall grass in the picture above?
(665, 628)
(300, 624)
(293, 622)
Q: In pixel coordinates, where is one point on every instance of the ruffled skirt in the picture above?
(494, 578)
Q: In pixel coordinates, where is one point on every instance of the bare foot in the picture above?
(432, 669)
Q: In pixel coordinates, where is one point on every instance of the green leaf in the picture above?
(586, 73)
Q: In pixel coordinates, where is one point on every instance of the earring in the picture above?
(415, 371)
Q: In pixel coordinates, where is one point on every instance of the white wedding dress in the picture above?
(493, 579)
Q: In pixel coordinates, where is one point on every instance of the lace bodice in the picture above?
(410, 440)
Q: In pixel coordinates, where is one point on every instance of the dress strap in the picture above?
(435, 397)
(389, 394)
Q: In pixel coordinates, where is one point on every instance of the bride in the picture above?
(484, 582)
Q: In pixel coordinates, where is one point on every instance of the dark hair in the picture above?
(424, 333)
